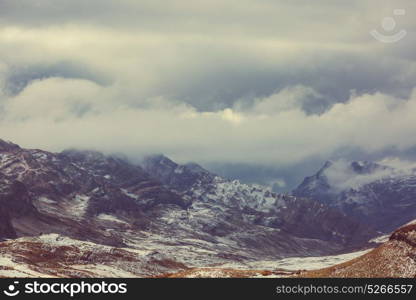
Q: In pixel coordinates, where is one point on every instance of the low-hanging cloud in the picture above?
(342, 176)
(57, 113)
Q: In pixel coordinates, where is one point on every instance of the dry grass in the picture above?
(394, 259)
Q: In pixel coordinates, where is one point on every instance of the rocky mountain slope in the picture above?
(183, 213)
(254, 205)
(378, 195)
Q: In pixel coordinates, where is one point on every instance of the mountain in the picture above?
(254, 204)
(378, 195)
(64, 193)
(180, 215)
(393, 259)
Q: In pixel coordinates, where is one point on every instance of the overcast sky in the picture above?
(258, 82)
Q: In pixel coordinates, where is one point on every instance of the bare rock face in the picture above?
(178, 177)
(373, 194)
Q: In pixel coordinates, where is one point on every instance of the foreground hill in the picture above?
(58, 256)
(54, 255)
(395, 258)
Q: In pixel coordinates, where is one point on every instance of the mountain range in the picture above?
(379, 195)
(83, 213)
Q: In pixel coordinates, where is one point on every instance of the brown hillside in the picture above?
(394, 259)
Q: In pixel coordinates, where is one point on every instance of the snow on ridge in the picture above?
(129, 194)
(298, 263)
(78, 205)
(380, 239)
(46, 200)
(255, 196)
(111, 218)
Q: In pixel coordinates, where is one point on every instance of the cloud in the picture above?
(341, 175)
(57, 113)
(290, 98)
(399, 164)
(206, 55)
(257, 82)
(280, 183)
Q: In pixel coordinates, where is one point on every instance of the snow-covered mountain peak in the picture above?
(375, 193)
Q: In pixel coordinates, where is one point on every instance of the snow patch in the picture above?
(46, 200)
(106, 217)
(298, 263)
(129, 194)
(78, 206)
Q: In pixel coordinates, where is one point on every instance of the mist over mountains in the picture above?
(180, 216)
(240, 87)
(188, 137)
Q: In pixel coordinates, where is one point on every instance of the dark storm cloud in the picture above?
(20, 77)
(333, 51)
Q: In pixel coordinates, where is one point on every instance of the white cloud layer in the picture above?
(341, 176)
(57, 113)
(259, 82)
